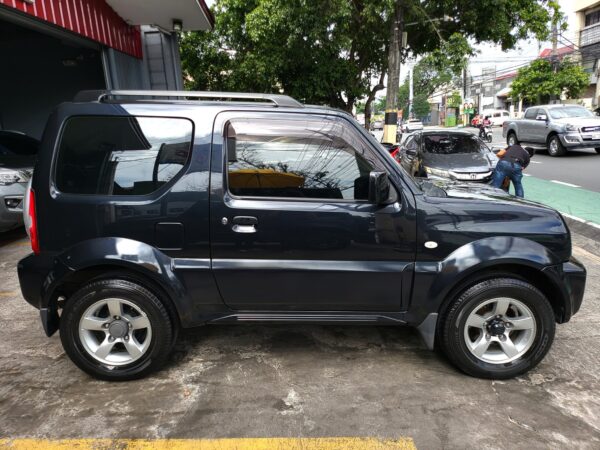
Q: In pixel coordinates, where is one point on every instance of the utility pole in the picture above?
(391, 100)
(411, 94)
(554, 57)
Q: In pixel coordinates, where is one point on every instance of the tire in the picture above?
(144, 331)
(597, 150)
(555, 147)
(511, 138)
(490, 138)
(459, 339)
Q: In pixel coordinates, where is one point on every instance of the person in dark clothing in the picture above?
(513, 160)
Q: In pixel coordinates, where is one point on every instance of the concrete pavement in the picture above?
(301, 381)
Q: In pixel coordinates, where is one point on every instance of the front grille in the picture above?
(471, 176)
(590, 129)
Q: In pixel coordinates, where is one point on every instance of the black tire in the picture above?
(555, 147)
(162, 338)
(452, 325)
(511, 135)
(597, 150)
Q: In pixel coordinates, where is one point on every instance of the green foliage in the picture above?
(421, 106)
(330, 51)
(454, 100)
(538, 82)
(318, 51)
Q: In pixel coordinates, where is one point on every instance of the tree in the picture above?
(537, 82)
(318, 51)
(334, 52)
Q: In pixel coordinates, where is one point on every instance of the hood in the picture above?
(580, 122)
(460, 162)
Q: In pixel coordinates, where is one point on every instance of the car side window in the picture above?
(411, 143)
(121, 155)
(531, 113)
(292, 158)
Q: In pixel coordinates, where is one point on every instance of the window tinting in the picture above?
(296, 158)
(531, 113)
(121, 155)
(448, 144)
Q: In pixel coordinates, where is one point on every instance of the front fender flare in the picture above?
(434, 281)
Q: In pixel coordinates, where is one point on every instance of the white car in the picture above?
(411, 125)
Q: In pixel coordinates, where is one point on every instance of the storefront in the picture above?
(51, 49)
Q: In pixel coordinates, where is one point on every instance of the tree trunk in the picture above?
(378, 87)
(391, 101)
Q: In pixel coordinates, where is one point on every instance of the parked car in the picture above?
(377, 125)
(557, 128)
(497, 116)
(451, 155)
(149, 216)
(17, 157)
(411, 125)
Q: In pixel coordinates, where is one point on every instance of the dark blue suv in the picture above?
(150, 212)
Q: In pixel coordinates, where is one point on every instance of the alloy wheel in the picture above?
(115, 331)
(500, 330)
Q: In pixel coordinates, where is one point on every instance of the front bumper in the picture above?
(580, 140)
(570, 278)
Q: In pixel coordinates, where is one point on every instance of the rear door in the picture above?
(527, 126)
(291, 227)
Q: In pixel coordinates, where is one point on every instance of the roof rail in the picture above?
(102, 95)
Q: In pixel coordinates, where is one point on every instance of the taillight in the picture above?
(33, 230)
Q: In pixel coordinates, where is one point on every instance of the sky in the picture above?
(526, 51)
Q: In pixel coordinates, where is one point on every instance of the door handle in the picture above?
(244, 224)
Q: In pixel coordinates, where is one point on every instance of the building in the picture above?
(587, 32)
(51, 49)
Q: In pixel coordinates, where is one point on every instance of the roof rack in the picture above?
(103, 95)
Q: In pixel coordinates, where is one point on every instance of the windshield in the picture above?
(448, 144)
(569, 111)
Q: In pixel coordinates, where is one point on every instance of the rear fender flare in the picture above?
(114, 253)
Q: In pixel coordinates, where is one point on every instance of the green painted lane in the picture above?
(576, 202)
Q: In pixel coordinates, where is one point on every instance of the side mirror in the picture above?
(542, 117)
(379, 187)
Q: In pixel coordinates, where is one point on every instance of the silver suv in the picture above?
(557, 128)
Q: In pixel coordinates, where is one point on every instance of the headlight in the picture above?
(437, 172)
(570, 127)
(13, 176)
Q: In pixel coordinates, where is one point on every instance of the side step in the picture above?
(311, 317)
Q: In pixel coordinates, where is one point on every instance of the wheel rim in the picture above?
(553, 149)
(115, 331)
(500, 330)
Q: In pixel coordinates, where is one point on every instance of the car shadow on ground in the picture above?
(10, 237)
(318, 344)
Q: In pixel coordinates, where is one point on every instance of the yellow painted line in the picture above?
(7, 293)
(340, 443)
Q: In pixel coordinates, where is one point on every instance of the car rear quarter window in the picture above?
(121, 155)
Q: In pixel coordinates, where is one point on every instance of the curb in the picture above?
(583, 228)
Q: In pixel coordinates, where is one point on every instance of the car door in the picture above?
(540, 128)
(410, 156)
(291, 226)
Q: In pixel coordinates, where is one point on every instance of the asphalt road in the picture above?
(307, 381)
(579, 168)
